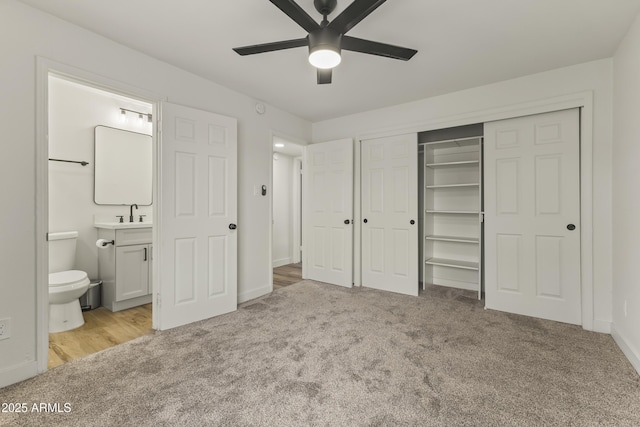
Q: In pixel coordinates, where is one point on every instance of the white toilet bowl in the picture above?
(65, 287)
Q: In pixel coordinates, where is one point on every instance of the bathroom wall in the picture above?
(74, 112)
(282, 209)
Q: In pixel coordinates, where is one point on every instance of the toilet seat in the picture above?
(70, 278)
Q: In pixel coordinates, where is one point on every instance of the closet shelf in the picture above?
(452, 212)
(471, 184)
(453, 239)
(453, 263)
(445, 164)
(451, 143)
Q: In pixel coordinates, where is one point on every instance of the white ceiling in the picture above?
(461, 44)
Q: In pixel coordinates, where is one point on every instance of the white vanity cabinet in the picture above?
(125, 267)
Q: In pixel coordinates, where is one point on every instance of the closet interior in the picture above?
(451, 202)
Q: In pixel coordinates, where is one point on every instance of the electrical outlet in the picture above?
(5, 328)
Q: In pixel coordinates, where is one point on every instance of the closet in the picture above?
(452, 207)
(499, 213)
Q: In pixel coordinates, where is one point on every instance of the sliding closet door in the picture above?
(390, 214)
(532, 216)
(328, 212)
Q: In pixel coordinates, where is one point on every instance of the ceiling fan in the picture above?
(327, 39)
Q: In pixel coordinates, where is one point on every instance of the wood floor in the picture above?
(102, 329)
(287, 275)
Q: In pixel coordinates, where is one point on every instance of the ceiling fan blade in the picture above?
(295, 12)
(270, 47)
(324, 76)
(354, 13)
(374, 48)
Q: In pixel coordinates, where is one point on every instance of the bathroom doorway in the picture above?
(86, 127)
(286, 185)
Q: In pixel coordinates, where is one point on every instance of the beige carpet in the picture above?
(316, 354)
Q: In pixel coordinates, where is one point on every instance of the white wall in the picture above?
(593, 76)
(74, 112)
(26, 33)
(282, 209)
(626, 197)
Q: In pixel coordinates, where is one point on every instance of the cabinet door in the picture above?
(132, 271)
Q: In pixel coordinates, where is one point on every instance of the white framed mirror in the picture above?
(122, 167)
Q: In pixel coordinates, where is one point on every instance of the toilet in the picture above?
(66, 286)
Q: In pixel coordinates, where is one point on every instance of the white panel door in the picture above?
(532, 216)
(327, 194)
(198, 211)
(389, 182)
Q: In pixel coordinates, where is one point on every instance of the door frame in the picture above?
(303, 144)
(296, 199)
(44, 68)
(581, 100)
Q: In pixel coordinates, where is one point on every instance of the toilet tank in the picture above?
(62, 251)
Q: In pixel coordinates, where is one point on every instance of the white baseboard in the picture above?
(17, 373)
(253, 294)
(281, 262)
(628, 350)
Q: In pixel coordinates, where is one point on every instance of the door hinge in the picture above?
(158, 300)
(481, 217)
(300, 248)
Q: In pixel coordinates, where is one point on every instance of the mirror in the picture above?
(123, 167)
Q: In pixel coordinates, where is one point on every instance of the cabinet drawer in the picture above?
(133, 236)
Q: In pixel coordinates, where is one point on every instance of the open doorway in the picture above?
(287, 213)
(100, 295)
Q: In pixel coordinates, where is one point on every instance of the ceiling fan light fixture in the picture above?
(324, 58)
(324, 48)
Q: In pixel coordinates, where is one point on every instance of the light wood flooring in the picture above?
(102, 329)
(287, 275)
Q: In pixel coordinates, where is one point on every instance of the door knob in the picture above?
(232, 226)
(346, 221)
(571, 227)
(365, 220)
(412, 222)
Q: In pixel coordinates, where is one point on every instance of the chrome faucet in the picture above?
(131, 212)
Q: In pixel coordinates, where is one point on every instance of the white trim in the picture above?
(44, 68)
(602, 326)
(20, 372)
(296, 199)
(357, 215)
(305, 211)
(253, 294)
(270, 246)
(582, 100)
(632, 354)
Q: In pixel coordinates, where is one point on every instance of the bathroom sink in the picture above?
(119, 225)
